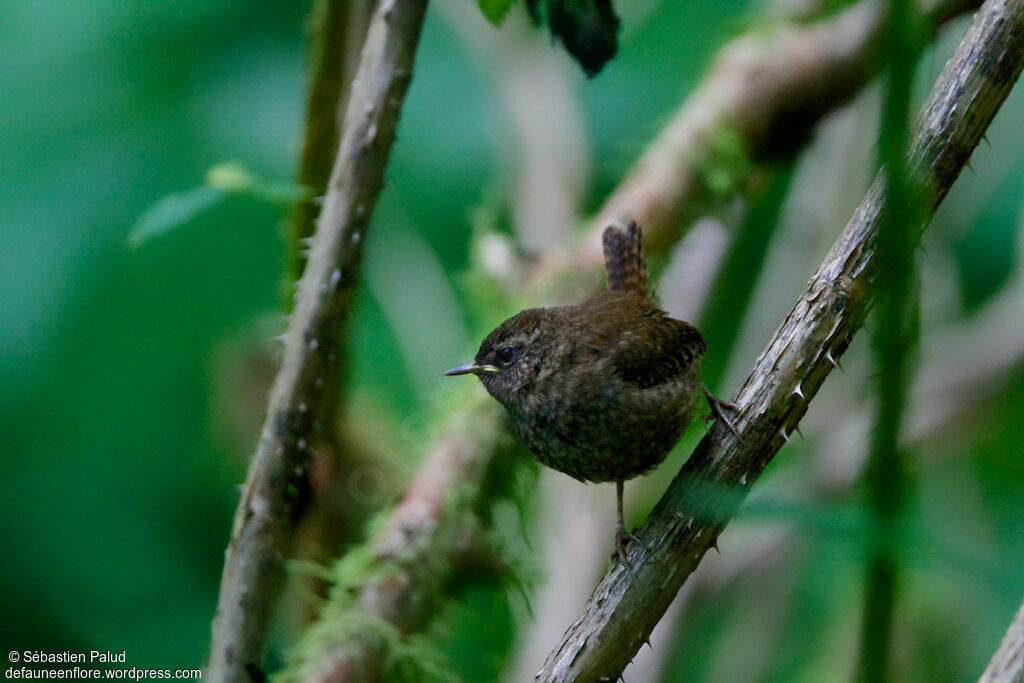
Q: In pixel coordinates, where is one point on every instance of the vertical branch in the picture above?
(886, 475)
(337, 29)
(277, 488)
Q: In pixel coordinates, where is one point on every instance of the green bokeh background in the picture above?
(117, 485)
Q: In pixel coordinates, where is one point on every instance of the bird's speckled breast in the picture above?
(595, 438)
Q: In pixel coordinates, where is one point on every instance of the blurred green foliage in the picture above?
(118, 478)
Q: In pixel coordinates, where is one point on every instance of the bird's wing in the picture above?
(657, 350)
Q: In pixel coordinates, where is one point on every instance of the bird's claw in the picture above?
(622, 538)
(718, 408)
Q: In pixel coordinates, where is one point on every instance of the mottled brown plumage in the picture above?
(603, 390)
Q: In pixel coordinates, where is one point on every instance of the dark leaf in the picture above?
(495, 10)
(587, 28)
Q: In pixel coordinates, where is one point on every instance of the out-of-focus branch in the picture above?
(433, 536)
(277, 487)
(1007, 665)
(546, 149)
(762, 98)
(886, 478)
(336, 30)
(963, 365)
(704, 496)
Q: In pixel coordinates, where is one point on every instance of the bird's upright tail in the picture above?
(624, 264)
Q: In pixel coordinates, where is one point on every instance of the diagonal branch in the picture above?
(1007, 665)
(708, 490)
(277, 487)
(399, 581)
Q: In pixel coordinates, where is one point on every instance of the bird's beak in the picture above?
(471, 368)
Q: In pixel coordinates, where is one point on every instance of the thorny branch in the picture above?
(1007, 665)
(277, 487)
(337, 29)
(705, 494)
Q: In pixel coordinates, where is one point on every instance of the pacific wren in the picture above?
(603, 390)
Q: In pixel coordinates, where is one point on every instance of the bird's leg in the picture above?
(718, 408)
(622, 537)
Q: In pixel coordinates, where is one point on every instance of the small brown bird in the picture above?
(603, 390)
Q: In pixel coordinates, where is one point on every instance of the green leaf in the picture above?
(495, 10)
(222, 180)
(173, 210)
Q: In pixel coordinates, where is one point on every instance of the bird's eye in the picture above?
(507, 354)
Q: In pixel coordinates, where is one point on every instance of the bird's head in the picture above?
(511, 356)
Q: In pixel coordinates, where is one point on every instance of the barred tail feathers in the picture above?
(624, 264)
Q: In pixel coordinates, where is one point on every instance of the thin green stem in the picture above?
(886, 477)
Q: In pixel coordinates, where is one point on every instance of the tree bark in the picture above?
(1007, 665)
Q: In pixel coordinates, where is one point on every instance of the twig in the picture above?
(1007, 665)
(277, 488)
(622, 611)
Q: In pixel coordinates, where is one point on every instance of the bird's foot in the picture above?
(718, 410)
(622, 539)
